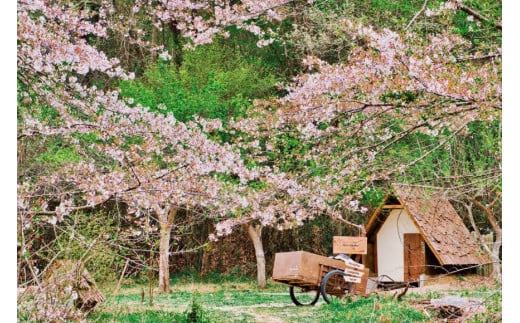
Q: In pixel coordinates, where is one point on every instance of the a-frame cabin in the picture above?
(417, 231)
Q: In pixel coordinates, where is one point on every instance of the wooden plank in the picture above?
(369, 258)
(352, 279)
(349, 245)
(354, 265)
(392, 206)
(354, 273)
(376, 262)
(414, 256)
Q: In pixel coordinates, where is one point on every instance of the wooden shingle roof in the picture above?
(438, 222)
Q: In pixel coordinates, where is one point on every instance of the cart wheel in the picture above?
(333, 285)
(303, 296)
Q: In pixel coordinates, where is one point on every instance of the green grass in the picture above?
(241, 301)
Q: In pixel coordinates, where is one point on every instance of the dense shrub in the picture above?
(213, 81)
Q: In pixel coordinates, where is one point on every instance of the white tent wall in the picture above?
(390, 244)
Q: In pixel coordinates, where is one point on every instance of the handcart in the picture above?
(310, 275)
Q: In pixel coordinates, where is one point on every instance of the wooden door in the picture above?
(414, 256)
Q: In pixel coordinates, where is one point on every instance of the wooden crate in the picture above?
(301, 268)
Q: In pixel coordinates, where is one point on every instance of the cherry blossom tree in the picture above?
(151, 162)
(392, 87)
(345, 120)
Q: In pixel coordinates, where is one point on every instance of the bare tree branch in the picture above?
(478, 15)
(417, 15)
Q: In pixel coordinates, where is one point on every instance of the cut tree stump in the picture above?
(73, 274)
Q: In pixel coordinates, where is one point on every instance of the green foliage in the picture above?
(83, 237)
(316, 235)
(191, 275)
(240, 72)
(362, 310)
(391, 14)
(398, 97)
(313, 36)
(467, 162)
(214, 81)
(28, 103)
(493, 303)
(196, 314)
(480, 146)
(138, 317)
(480, 33)
(473, 153)
(372, 197)
(285, 146)
(58, 156)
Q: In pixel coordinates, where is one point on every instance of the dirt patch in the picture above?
(253, 306)
(199, 288)
(444, 283)
(451, 282)
(250, 310)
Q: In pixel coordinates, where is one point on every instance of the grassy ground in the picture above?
(241, 301)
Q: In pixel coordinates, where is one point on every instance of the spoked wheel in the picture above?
(333, 285)
(303, 296)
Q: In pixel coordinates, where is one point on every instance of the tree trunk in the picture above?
(495, 253)
(166, 224)
(255, 233)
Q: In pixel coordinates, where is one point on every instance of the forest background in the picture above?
(310, 228)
